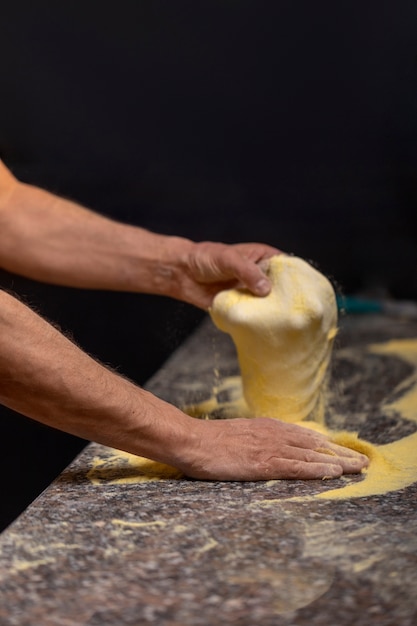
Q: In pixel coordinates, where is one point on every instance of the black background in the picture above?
(290, 122)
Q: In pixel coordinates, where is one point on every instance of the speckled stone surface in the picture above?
(184, 552)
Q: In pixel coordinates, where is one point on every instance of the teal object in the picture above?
(396, 308)
(352, 304)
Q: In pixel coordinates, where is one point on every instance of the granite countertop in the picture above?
(186, 552)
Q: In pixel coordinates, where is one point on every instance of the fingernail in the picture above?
(263, 287)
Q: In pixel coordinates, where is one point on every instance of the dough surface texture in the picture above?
(284, 340)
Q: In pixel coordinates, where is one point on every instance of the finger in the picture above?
(247, 272)
(257, 251)
(302, 470)
(349, 464)
(325, 451)
(343, 451)
(303, 437)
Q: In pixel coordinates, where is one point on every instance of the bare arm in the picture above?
(54, 240)
(45, 376)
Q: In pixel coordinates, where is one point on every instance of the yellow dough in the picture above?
(283, 341)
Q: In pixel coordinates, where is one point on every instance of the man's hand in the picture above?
(265, 449)
(54, 240)
(211, 267)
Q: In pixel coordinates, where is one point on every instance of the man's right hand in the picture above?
(264, 449)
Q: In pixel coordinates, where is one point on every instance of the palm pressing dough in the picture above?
(284, 340)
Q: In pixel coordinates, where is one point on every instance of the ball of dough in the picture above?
(284, 340)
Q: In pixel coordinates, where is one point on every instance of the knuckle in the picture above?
(297, 470)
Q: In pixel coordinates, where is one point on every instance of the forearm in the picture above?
(45, 376)
(54, 240)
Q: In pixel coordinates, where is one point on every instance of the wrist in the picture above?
(171, 256)
(158, 430)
